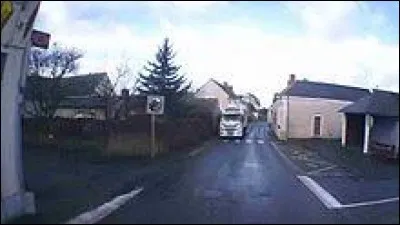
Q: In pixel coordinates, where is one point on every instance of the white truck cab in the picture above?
(233, 122)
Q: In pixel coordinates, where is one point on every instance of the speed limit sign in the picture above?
(155, 105)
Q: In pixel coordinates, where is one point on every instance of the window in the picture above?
(231, 117)
(317, 126)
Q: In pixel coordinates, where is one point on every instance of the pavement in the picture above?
(228, 181)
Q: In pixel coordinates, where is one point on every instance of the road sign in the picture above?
(40, 39)
(155, 105)
(7, 10)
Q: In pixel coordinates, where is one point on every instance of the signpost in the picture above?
(155, 106)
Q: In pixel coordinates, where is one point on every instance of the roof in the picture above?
(80, 85)
(255, 98)
(83, 85)
(227, 90)
(304, 88)
(377, 103)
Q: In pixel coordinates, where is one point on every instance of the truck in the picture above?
(233, 122)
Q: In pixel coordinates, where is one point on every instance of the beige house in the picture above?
(213, 89)
(306, 109)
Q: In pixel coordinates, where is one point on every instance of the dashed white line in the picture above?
(249, 141)
(237, 141)
(260, 141)
(104, 210)
(251, 164)
(195, 152)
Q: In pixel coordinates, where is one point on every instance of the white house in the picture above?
(17, 19)
(306, 109)
(213, 89)
(252, 104)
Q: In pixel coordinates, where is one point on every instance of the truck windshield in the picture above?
(231, 117)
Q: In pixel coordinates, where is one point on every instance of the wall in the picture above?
(212, 90)
(302, 110)
(278, 118)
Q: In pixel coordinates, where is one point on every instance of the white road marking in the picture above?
(195, 152)
(260, 141)
(237, 141)
(370, 202)
(249, 141)
(329, 201)
(251, 164)
(225, 141)
(104, 210)
(274, 145)
(322, 169)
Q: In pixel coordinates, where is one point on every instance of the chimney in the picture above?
(125, 93)
(292, 79)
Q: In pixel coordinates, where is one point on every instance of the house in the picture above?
(306, 109)
(84, 95)
(372, 121)
(252, 104)
(222, 92)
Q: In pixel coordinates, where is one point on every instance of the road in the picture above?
(233, 182)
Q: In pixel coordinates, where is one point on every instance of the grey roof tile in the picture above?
(378, 103)
(303, 88)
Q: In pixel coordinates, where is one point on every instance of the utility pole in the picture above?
(17, 18)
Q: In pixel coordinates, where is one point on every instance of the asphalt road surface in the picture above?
(244, 181)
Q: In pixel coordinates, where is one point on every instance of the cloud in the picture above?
(250, 58)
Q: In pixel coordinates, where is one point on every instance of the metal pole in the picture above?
(287, 117)
(153, 135)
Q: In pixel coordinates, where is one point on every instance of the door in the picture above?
(317, 126)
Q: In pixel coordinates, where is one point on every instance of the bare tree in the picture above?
(123, 77)
(45, 90)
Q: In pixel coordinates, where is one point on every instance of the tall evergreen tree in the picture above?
(163, 79)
